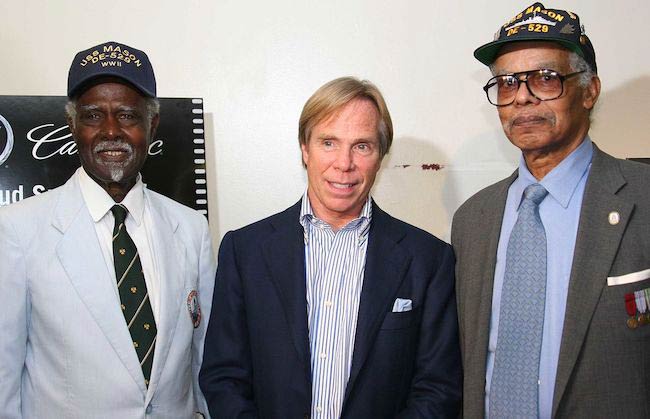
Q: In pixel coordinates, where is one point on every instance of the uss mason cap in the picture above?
(537, 23)
(112, 59)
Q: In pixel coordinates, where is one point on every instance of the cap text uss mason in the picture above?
(111, 52)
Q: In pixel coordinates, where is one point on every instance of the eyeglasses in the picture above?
(544, 84)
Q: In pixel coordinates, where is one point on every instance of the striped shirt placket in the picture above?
(334, 273)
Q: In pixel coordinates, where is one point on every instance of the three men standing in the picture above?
(544, 279)
(332, 308)
(103, 280)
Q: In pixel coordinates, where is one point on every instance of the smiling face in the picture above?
(112, 133)
(342, 158)
(546, 130)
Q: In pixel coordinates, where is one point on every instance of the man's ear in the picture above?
(591, 93)
(154, 125)
(305, 154)
(71, 126)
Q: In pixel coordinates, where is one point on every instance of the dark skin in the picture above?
(112, 133)
(545, 131)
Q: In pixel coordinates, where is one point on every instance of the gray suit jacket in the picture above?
(65, 350)
(604, 367)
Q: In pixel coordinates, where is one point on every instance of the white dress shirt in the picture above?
(139, 224)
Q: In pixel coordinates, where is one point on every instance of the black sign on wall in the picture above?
(37, 151)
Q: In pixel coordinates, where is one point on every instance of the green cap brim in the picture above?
(488, 52)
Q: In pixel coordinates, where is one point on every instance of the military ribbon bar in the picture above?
(630, 307)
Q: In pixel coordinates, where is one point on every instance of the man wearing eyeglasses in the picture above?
(553, 283)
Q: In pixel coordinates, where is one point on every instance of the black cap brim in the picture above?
(83, 83)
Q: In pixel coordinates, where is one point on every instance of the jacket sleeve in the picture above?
(15, 307)
(226, 376)
(207, 267)
(436, 386)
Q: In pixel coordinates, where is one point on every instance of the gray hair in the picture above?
(152, 104)
(577, 63)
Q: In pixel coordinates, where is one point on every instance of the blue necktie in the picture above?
(514, 390)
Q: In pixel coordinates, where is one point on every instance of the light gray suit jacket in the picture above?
(65, 350)
(604, 367)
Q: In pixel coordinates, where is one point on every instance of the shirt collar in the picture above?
(99, 202)
(361, 224)
(563, 180)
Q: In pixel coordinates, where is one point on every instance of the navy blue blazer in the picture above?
(256, 361)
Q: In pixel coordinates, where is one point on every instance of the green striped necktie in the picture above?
(134, 297)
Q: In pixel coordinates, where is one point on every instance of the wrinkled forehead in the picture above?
(107, 80)
(524, 56)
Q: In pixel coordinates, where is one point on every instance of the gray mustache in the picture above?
(113, 146)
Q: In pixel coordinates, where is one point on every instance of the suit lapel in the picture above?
(81, 257)
(386, 266)
(170, 256)
(596, 245)
(476, 311)
(284, 254)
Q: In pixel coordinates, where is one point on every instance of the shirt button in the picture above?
(323, 355)
(328, 303)
(319, 409)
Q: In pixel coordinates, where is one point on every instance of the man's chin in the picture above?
(113, 175)
(528, 140)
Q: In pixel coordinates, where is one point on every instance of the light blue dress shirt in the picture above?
(560, 214)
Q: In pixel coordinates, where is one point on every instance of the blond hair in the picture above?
(334, 95)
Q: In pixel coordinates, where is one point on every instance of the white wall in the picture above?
(256, 63)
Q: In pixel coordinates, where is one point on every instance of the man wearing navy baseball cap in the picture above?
(553, 283)
(104, 282)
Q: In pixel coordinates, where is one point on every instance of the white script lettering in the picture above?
(54, 142)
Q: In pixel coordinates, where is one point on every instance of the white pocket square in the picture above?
(402, 304)
(628, 278)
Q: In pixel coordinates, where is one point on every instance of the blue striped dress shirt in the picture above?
(334, 263)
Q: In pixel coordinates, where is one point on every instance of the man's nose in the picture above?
(111, 127)
(344, 160)
(524, 95)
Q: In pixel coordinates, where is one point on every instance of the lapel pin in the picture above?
(614, 218)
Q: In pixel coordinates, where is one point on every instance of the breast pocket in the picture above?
(401, 320)
(623, 316)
